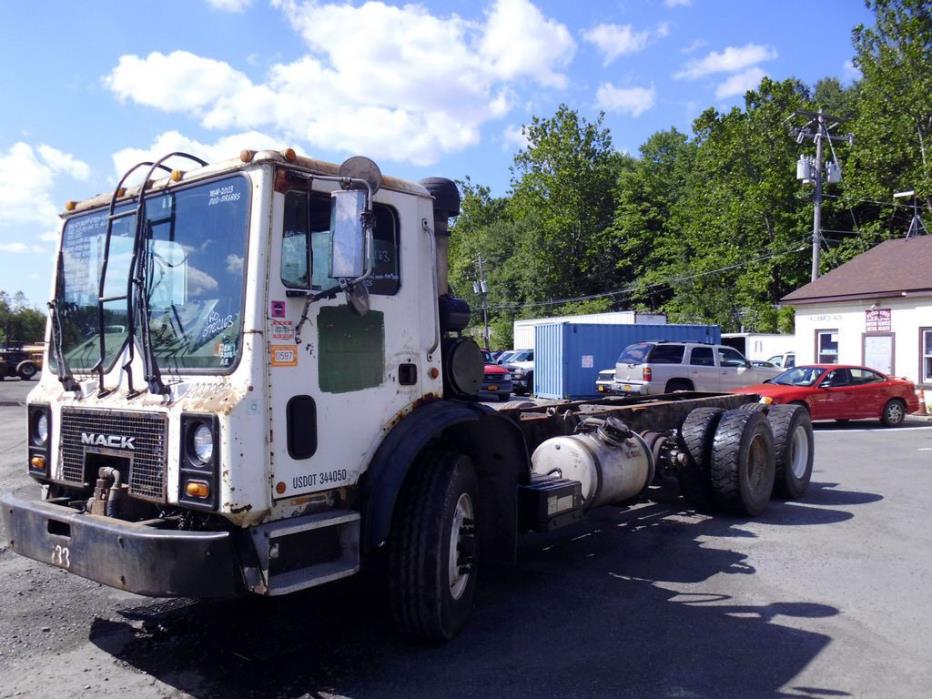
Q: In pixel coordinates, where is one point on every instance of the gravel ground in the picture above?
(825, 597)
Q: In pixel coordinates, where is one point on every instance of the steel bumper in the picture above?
(125, 555)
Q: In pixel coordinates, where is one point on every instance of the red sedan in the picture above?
(839, 392)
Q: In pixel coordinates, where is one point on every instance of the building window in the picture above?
(827, 346)
(925, 342)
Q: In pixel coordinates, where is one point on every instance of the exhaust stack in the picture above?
(446, 205)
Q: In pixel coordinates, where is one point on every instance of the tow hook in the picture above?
(106, 500)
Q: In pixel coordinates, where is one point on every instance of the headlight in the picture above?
(42, 429)
(518, 373)
(202, 442)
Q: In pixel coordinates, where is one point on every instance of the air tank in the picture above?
(612, 463)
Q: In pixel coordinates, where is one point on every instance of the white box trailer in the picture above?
(524, 329)
(760, 345)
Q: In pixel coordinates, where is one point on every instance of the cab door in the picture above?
(339, 378)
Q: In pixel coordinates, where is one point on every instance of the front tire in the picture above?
(433, 561)
(793, 450)
(894, 413)
(743, 467)
(26, 371)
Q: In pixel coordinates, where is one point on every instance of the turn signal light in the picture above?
(197, 489)
(766, 400)
(37, 463)
(647, 374)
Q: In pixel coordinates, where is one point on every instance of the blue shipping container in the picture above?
(568, 357)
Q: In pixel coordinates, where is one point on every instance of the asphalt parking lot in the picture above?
(824, 597)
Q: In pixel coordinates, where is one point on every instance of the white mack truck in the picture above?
(256, 383)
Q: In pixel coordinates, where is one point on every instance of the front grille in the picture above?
(146, 461)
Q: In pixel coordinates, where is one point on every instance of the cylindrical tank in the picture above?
(613, 464)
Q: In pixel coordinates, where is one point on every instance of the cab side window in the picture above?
(307, 223)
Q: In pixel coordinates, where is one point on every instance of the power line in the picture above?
(631, 288)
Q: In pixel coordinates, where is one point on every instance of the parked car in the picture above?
(763, 364)
(786, 360)
(504, 357)
(16, 360)
(839, 392)
(603, 384)
(521, 366)
(649, 368)
(496, 383)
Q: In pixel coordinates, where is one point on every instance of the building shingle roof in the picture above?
(889, 269)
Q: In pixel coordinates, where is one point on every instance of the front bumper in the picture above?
(125, 555)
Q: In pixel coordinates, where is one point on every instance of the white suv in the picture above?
(663, 367)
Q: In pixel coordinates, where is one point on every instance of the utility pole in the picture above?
(481, 289)
(820, 130)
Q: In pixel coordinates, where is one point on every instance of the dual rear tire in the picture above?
(737, 459)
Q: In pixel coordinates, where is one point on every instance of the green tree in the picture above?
(563, 183)
(893, 126)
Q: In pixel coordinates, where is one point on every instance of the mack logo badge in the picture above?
(113, 441)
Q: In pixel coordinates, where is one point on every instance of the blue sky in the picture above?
(437, 88)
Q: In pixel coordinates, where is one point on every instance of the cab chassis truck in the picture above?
(258, 384)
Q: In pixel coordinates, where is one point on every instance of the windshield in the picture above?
(196, 240)
(800, 376)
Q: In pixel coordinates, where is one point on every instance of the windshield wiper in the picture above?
(64, 373)
(137, 285)
(142, 283)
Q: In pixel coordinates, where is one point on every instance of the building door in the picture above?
(877, 353)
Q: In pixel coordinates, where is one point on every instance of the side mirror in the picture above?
(766, 381)
(348, 245)
(747, 363)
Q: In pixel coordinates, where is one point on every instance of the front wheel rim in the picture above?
(894, 412)
(799, 452)
(462, 545)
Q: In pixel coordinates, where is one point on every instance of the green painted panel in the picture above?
(352, 349)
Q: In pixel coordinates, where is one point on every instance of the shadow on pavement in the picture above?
(589, 611)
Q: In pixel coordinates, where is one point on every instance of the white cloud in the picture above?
(677, 3)
(27, 179)
(694, 46)
(49, 236)
(15, 248)
(59, 161)
(731, 60)
(514, 137)
(849, 71)
(631, 100)
(171, 141)
(234, 264)
(230, 5)
(520, 42)
(614, 40)
(740, 83)
(404, 84)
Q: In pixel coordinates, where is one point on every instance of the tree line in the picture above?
(711, 226)
(20, 322)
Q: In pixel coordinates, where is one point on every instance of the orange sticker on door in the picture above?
(284, 355)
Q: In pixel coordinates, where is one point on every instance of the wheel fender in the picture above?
(493, 442)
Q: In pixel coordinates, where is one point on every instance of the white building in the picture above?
(875, 310)
(524, 329)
